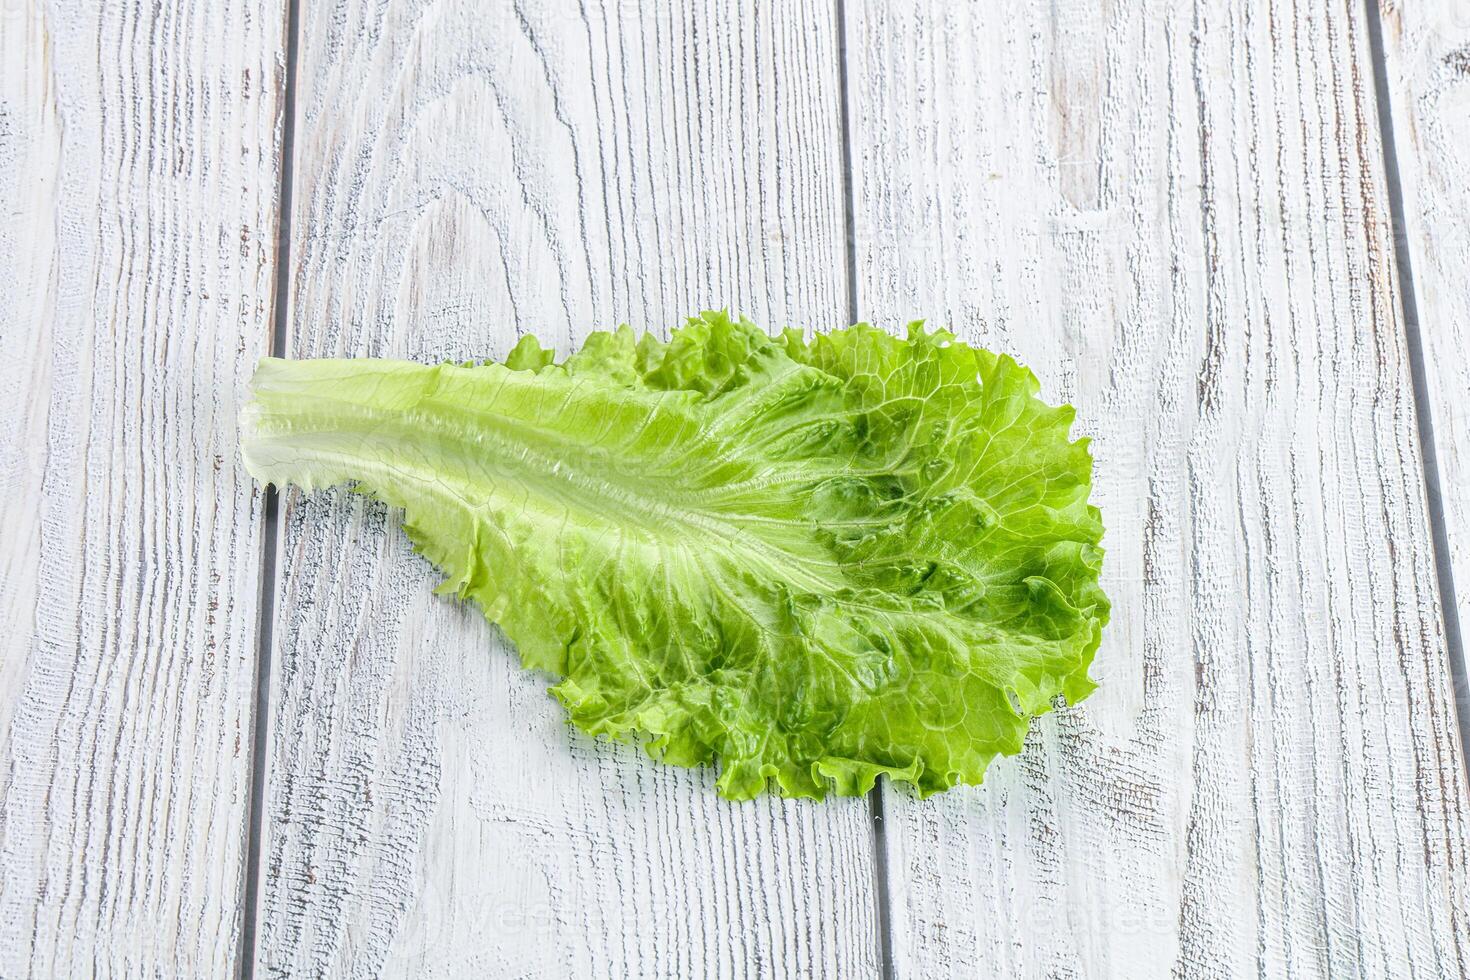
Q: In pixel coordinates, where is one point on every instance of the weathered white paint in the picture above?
(138, 162)
(1177, 215)
(465, 173)
(1427, 52)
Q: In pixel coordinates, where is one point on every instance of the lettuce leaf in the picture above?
(817, 560)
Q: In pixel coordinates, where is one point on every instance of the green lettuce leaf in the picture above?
(817, 560)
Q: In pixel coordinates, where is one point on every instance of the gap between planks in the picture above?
(884, 911)
(1424, 413)
(270, 544)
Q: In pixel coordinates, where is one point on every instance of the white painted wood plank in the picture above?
(1177, 215)
(466, 173)
(138, 163)
(1427, 54)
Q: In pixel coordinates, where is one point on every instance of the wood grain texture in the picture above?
(1176, 214)
(1427, 54)
(466, 173)
(138, 163)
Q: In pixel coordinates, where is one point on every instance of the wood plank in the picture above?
(138, 165)
(1427, 55)
(466, 174)
(1178, 217)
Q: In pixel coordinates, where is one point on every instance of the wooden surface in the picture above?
(1180, 222)
(1182, 217)
(465, 175)
(138, 163)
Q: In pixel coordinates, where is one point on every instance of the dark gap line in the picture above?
(270, 535)
(1424, 414)
(881, 895)
(880, 874)
(849, 223)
